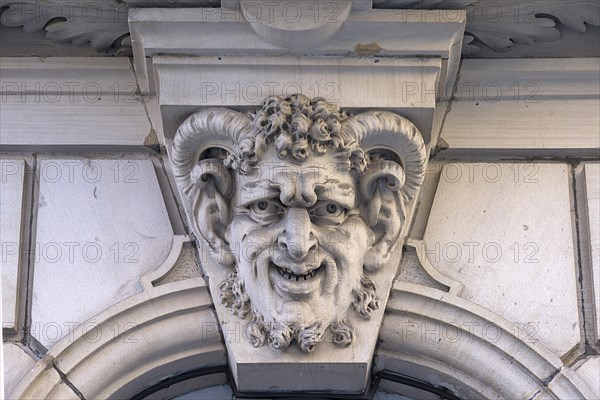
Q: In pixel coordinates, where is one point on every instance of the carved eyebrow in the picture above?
(263, 184)
(340, 193)
(258, 190)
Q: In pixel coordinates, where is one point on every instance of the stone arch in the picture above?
(435, 336)
(161, 332)
(428, 335)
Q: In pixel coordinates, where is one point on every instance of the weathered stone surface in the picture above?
(364, 33)
(505, 231)
(186, 267)
(592, 189)
(589, 372)
(101, 224)
(220, 392)
(16, 364)
(66, 101)
(11, 206)
(496, 101)
(412, 271)
(236, 82)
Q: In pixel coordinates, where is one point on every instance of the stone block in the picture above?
(71, 101)
(589, 371)
(101, 225)
(592, 200)
(12, 172)
(17, 363)
(187, 83)
(560, 95)
(505, 231)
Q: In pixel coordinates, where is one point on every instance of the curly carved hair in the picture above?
(297, 126)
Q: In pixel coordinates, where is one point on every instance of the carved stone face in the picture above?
(301, 202)
(300, 239)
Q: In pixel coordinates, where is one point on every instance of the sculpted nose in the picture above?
(297, 239)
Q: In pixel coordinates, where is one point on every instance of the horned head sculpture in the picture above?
(319, 193)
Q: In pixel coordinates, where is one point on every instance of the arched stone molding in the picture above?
(427, 334)
(152, 278)
(161, 332)
(439, 337)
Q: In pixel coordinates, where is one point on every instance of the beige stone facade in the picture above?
(112, 279)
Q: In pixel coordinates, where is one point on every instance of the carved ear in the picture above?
(210, 209)
(202, 177)
(393, 177)
(381, 187)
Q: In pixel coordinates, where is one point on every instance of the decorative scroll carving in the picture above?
(101, 23)
(303, 202)
(501, 25)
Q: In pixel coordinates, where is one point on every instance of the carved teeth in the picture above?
(286, 273)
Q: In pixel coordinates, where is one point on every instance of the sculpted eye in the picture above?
(266, 211)
(266, 207)
(332, 208)
(327, 213)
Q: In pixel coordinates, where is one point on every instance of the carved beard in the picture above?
(279, 335)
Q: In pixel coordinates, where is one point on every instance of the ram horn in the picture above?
(383, 130)
(208, 128)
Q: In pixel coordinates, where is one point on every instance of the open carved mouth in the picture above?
(297, 285)
(287, 273)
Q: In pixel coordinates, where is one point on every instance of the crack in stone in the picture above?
(551, 377)
(535, 394)
(65, 380)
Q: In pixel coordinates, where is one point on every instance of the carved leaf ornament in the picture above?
(102, 24)
(502, 24)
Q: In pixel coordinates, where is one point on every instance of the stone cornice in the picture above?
(500, 29)
(72, 101)
(561, 95)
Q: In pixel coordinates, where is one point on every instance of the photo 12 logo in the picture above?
(69, 92)
(253, 92)
(89, 171)
(71, 252)
(89, 331)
